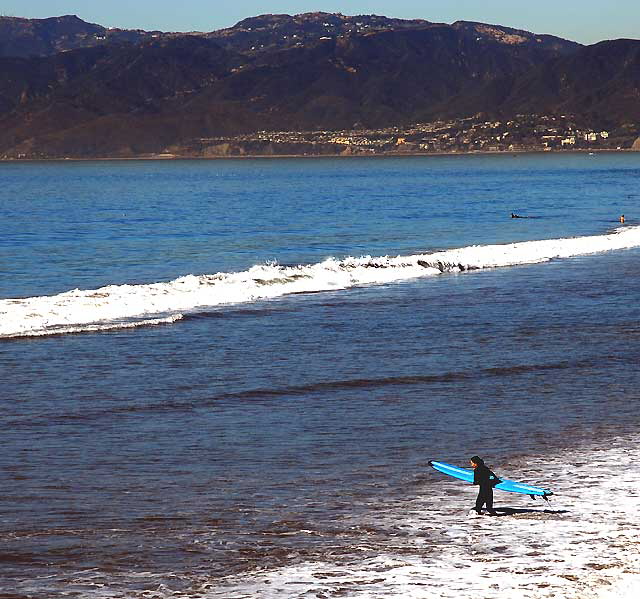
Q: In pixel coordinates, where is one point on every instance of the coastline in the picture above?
(177, 157)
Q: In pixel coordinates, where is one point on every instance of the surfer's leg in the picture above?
(479, 501)
(489, 501)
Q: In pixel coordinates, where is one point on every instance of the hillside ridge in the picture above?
(146, 93)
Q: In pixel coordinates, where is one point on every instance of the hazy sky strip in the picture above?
(586, 21)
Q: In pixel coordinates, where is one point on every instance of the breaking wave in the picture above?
(129, 306)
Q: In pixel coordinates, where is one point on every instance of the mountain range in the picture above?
(74, 89)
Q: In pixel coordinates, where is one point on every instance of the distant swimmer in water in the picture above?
(622, 218)
(486, 479)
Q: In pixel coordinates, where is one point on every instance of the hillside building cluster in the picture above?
(525, 133)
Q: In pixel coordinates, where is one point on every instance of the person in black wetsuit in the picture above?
(486, 479)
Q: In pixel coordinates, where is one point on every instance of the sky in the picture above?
(585, 21)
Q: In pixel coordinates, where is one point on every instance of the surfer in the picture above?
(486, 479)
(622, 218)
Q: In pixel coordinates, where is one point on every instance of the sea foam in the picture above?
(127, 306)
(582, 545)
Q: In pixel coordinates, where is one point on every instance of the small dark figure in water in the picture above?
(622, 218)
(487, 480)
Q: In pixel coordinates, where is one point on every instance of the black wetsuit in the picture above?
(485, 478)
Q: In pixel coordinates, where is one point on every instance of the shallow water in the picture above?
(281, 442)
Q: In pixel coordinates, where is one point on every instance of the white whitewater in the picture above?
(583, 545)
(127, 306)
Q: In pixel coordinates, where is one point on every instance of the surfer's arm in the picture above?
(495, 479)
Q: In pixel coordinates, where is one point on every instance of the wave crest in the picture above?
(128, 306)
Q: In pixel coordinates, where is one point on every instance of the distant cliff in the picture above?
(83, 91)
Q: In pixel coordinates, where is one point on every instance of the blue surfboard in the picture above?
(466, 474)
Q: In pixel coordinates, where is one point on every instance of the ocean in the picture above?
(225, 379)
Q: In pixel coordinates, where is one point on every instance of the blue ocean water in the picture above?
(164, 458)
(84, 225)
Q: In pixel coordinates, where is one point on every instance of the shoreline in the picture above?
(166, 157)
